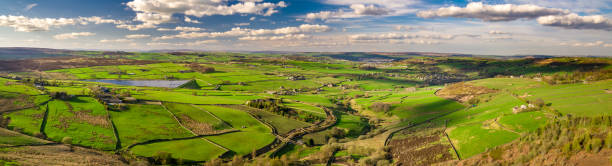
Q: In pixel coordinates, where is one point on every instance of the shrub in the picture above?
(200, 68)
(161, 157)
(539, 103)
(577, 143)
(67, 140)
(567, 148)
(380, 107)
(596, 144)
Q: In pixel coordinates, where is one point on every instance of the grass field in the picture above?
(281, 123)
(243, 142)
(192, 149)
(253, 134)
(179, 97)
(8, 138)
(7, 85)
(27, 121)
(83, 119)
(237, 119)
(590, 99)
(354, 125)
(141, 123)
(188, 113)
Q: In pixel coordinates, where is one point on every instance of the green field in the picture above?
(8, 137)
(27, 121)
(190, 150)
(370, 95)
(187, 112)
(83, 119)
(141, 123)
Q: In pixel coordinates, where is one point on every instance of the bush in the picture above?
(539, 103)
(67, 140)
(380, 107)
(567, 148)
(162, 158)
(609, 140)
(596, 144)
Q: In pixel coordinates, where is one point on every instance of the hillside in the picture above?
(216, 108)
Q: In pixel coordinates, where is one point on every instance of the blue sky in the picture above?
(496, 27)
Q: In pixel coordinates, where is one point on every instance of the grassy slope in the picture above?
(8, 137)
(92, 129)
(253, 134)
(28, 120)
(196, 114)
(145, 122)
(192, 149)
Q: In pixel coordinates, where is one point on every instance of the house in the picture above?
(298, 77)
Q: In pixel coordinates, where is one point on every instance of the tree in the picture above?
(163, 158)
(596, 144)
(539, 103)
(380, 107)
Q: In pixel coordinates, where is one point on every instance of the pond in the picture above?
(148, 83)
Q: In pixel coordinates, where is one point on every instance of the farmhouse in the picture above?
(297, 77)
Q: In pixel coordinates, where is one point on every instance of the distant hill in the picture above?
(12, 53)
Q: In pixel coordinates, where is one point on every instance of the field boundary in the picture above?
(178, 139)
(181, 124)
(44, 122)
(115, 131)
(213, 115)
(420, 123)
(450, 141)
(24, 108)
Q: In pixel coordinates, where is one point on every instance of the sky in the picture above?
(489, 27)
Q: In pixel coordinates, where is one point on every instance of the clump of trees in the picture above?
(272, 105)
(380, 107)
(202, 69)
(578, 76)
(571, 135)
(367, 67)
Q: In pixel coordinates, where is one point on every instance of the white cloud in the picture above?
(574, 21)
(182, 29)
(588, 44)
(136, 27)
(399, 6)
(284, 37)
(161, 11)
(496, 32)
(26, 24)
(244, 32)
(408, 27)
(116, 41)
(357, 10)
(74, 35)
(30, 6)
(189, 20)
(137, 36)
(398, 36)
(588, 6)
(370, 10)
(195, 43)
(99, 20)
(504, 12)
